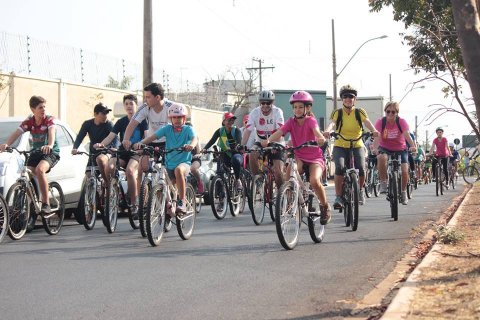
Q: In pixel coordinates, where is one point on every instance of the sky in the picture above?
(196, 40)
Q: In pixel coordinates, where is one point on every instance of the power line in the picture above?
(260, 69)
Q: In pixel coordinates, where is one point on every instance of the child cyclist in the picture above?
(303, 128)
(178, 135)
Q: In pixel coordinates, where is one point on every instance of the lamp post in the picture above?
(334, 62)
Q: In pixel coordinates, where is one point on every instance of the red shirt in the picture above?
(442, 147)
(39, 132)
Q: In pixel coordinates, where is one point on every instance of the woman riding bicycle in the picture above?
(303, 128)
(393, 133)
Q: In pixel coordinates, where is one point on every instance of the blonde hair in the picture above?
(394, 104)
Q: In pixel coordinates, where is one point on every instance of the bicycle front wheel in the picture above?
(315, 228)
(112, 206)
(235, 197)
(218, 197)
(88, 204)
(256, 203)
(54, 223)
(287, 216)
(186, 222)
(354, 201)
(471, 174)
(155, 214)
(270, 195)
(393, 195)
(19, 209)
(3, 218)
(143, 205)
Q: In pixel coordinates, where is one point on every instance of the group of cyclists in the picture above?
(162, 124)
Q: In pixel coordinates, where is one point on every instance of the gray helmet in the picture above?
(266, 95)
(348, 89)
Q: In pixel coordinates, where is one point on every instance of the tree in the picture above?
(122, 85)
(435, 48)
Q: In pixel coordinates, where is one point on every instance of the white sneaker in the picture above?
(361, 198)
(383, 187)
(404, 199)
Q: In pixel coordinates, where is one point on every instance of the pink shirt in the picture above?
(442, 147)
(391, 138)
(301, 134)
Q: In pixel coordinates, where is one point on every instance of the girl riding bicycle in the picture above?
(303, 128)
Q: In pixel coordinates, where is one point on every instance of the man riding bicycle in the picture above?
(348, 121)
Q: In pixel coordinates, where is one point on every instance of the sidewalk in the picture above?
(446, 284)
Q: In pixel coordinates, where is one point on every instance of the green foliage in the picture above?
(122, 85)
(432, 37)
(448, 235)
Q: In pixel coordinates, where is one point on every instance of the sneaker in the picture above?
(220, 205)
(361, 198)
(325, 214)
(338, 204)
(46, 209)
(383, 187)
(325, 183)
(239, 185)
(404, 199)
(181, 207)
(200, 188)
(134, 212)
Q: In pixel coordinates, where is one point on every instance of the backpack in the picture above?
(397, 120)
(339, 122)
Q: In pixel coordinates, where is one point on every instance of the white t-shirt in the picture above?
(265, 125)
(155, 120)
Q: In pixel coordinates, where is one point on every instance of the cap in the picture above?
(101, 108)
(228, 115)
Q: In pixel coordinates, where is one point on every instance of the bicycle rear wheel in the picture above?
(218, 197)
(186, 223)
(471, 174)
(3, 218)
(270, 195)
(143, 205)
(393, 195)
(287, 216)
(235, 197)
(257, 207)
(155, 214)
(354, 201)
(88, 204)
(54, 223)
(19, 209)
(316, 230)
(111, 206)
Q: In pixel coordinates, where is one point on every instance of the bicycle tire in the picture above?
(347, 203)
(471, 174)
(168, 220)
(375, 182)
(355, 205)
(409, 189)
(111, 205)
(243, 194)
(394, 195)
(88, 204)
(155, 214)
(186, 223)
(257, 207)
(437, 181)
(233, 197)
(19, 209)
(134, 223)
(368, 186)
(271, 188)
(53, 224)
(218, 196)
(143, 205)
(3, 218)
(315, 228)
(286, 212)
(441, 179)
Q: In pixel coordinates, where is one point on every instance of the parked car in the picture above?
(207, 172)
(68, 172)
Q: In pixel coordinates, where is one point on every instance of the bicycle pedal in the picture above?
(47, 216)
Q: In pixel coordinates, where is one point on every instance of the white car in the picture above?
(68, 172)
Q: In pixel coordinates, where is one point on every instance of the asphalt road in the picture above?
(229, 269)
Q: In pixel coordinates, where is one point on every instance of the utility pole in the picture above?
(416, 127)
(147, 43)
(390, 84)
(334, 63)
(260, 69)
(426, 141)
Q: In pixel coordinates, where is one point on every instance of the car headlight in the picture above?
(3, 168)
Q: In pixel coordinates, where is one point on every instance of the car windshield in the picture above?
(6, 129)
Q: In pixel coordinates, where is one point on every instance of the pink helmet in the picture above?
(177, 110)
(301, 96)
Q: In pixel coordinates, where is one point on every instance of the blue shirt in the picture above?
(176, 140)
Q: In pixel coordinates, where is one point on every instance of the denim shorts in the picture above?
(403, 154)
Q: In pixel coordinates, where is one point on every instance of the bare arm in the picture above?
(108, 139)
(412, 145)
(14, 136)
(371, 127)
(273, 138)
(246, 136)
(50, 141)
(128, 134)
(319, 135)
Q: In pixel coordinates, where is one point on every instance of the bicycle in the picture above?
(198, 196)
(371, 181)
(452, 174)
(162, 196)
(440, 182)
(263, 187)
(24, 202)
(223, 189)
(92, 200)
(471, 172)
(116, 197)
(4, 215)
(412, 183)
(296, 201)
(351, 187)
(394, 185)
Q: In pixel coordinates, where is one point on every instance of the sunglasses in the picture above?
(265, 103)
(391, 111)
(348, 96)
(231, 120)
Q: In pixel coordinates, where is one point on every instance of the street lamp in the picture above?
(334, 61)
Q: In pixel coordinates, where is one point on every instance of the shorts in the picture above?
(171, 172)
(126, 157)
(36, 157)
(403, 154)
(342, 160)
(93, 161)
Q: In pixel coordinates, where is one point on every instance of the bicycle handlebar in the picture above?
(337, 135)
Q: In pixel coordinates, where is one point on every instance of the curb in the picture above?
(399, 307)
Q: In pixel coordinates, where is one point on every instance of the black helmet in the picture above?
(266, 95)
(348, 89)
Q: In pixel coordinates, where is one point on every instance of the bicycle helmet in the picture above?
(439, 129)
(266, 95)
(348, 89)
(177, 110)
(301, 96)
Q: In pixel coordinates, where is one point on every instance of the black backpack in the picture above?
(384, 124)
(339, 122)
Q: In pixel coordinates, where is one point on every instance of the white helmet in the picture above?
(177, 110)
